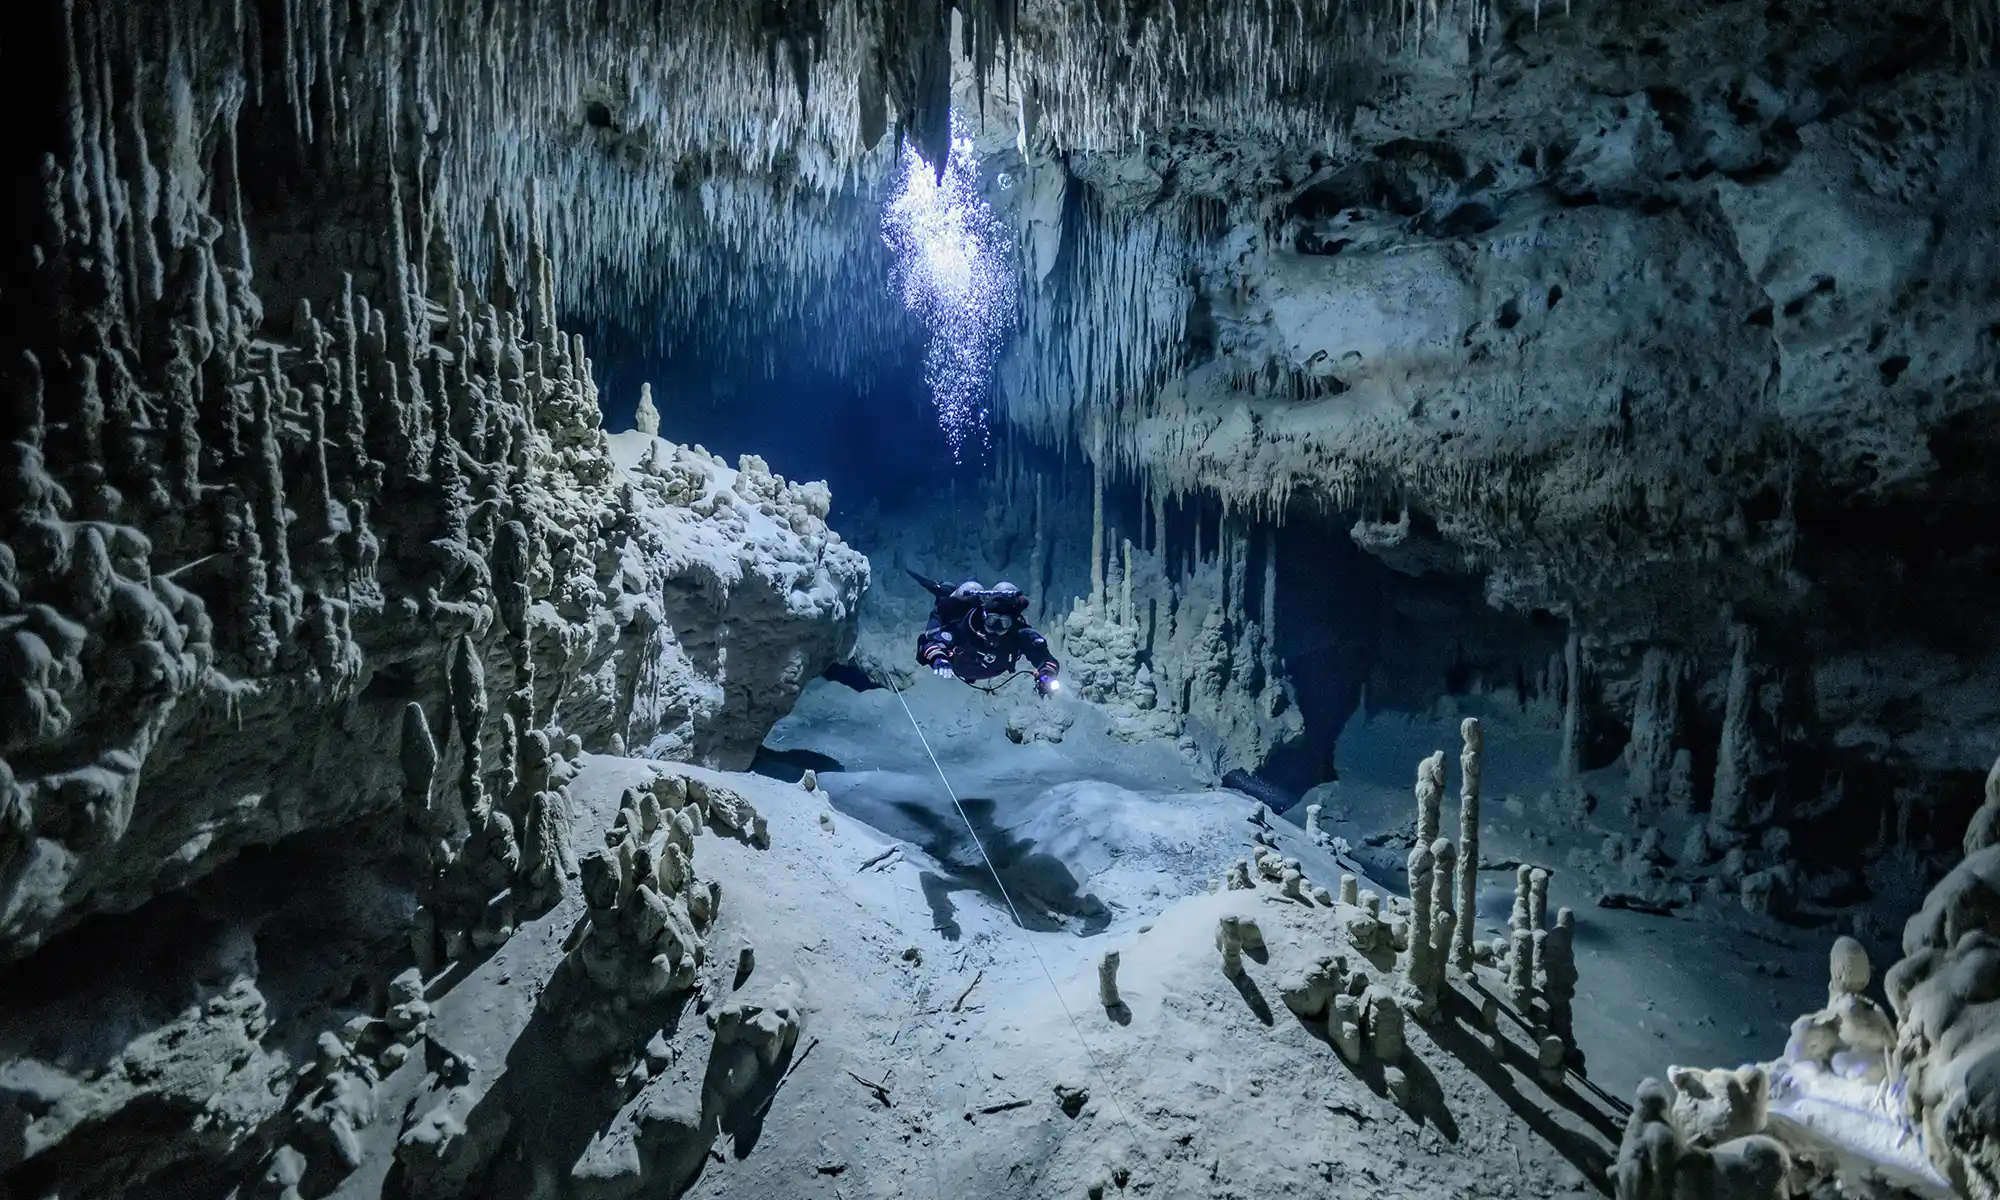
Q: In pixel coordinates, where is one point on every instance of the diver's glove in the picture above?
(1045, 682)
(942, 669)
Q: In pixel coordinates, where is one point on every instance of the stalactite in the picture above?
(1125, 590)
(1038, 556)
(1097, 532)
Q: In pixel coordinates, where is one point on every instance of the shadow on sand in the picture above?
(788, 765)
(1044, 894)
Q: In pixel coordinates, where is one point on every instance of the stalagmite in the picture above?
(419, 758)
(1574, 794)
(1038, 553)
(1549, 1053)
(1421, 864)
(1430, 798)
(510, 579)
(1158, 546)
(647, 420)
(1984, 828)
(1432, 921)
(468, 703)
(1520, 955)
(1729, 806)
(1229, 940)
(1385, 1024)
(1444, 916)
(1470, 767)
(1556, 976)
(1649, 756)
(1268, 613)
(274, 518)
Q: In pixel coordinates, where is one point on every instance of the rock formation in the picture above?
(312, 537)
(1859, 1097)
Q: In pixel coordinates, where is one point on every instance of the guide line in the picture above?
(1096, 1067)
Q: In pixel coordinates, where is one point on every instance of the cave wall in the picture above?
(1669, 327)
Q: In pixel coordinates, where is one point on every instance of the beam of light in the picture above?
(952, 271)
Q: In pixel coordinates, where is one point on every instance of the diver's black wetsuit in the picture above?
(955, 636)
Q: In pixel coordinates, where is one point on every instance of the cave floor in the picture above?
(1094, 834)
(915, 979)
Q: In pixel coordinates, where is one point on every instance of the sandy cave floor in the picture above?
(1102, 832)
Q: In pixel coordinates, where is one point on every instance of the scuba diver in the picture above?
(977, 633)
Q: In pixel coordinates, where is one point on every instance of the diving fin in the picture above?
(932, 586)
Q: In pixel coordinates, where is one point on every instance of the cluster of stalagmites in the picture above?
(642, 941)
(327, 570)
(493, 857)
(1416, 946)
(1731, 852)
(1363, 1013)
(259, 468)
(339, 1095)
(1903, 1095)
(635, 960)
